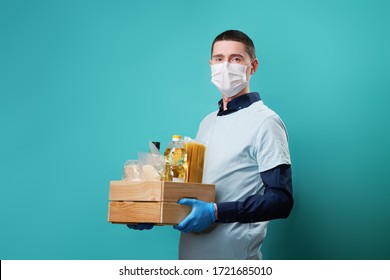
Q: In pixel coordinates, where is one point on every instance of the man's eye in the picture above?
(236, 60)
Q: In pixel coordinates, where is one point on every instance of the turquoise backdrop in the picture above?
(84, 85)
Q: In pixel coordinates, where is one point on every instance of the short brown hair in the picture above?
(238, 36)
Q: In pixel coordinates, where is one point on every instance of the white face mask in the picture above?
(229, 78)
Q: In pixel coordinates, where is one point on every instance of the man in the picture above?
(247, 159)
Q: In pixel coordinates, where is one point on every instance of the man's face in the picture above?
(232, 52)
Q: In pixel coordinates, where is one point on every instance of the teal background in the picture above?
(84, 85)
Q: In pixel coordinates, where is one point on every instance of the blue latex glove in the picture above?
(201, 217)
(140, 226)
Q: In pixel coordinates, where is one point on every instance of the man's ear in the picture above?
(255, 65)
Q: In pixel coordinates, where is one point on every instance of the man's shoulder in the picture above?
(259, 112)
(209, 117)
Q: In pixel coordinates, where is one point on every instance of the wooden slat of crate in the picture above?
(160, 191)
(173, 213)
(173, 191)
(163, 213)
(134, 212)
(135, 191)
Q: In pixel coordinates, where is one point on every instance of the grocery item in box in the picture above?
(175, 161)
(195, 160)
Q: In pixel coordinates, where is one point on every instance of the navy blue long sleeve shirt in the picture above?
(276, 202)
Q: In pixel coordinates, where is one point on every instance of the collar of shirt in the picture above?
(238, 103)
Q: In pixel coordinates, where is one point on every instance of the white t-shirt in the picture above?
(239, 146)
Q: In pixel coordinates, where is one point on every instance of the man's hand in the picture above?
(200, 218)
(140, 226)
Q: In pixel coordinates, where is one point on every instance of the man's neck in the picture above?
(226, 100)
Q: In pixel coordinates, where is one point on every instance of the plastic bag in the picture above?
(132, 171)
(152, 166)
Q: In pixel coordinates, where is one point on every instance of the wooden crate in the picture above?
(154, 201)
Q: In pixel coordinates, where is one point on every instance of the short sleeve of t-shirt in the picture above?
(272, 144)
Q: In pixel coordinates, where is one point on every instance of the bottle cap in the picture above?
(176, 137)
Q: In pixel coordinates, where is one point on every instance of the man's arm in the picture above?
(276, 202)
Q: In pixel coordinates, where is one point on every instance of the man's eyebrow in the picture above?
(230, 55)
(236, 54)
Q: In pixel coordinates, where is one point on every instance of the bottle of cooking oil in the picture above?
(175, 161)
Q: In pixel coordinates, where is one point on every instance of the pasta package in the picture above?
(195, 160)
